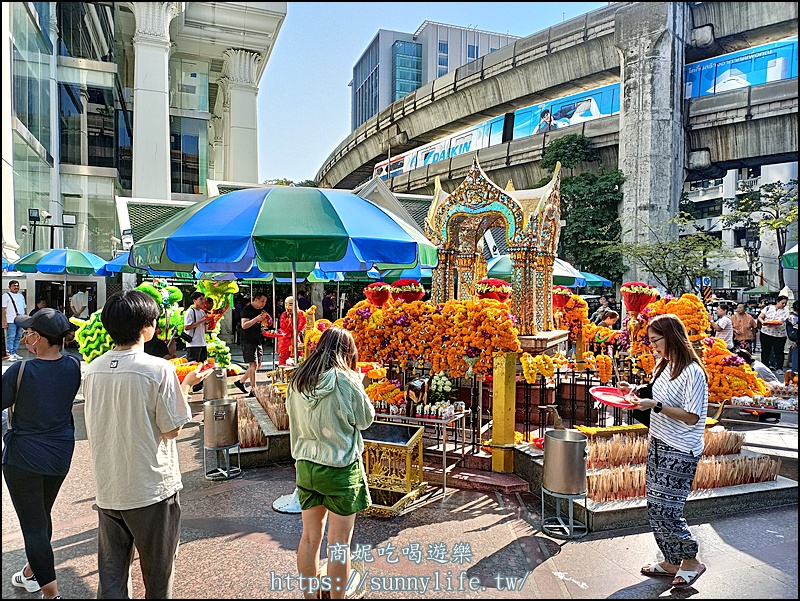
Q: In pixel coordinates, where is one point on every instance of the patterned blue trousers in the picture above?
(669, 478)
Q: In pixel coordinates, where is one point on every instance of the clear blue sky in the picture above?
(304, 99)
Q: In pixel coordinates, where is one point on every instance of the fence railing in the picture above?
(538, 406)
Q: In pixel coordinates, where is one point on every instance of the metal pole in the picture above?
(338, 303)
(294, 310)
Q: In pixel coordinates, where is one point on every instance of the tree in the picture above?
(675, 264)
(589, 204)
(772, 208)
(306, 183)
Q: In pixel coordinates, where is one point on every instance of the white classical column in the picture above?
(218, 149)
(241, 71)
(224, 108)
(151, 43)
(56, 207)
(10, 245)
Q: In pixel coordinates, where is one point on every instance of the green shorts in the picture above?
(342, 490)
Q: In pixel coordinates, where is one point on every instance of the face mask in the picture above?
(31, 345)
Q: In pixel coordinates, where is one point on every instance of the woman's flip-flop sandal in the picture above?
(655, 569)
(689, 577)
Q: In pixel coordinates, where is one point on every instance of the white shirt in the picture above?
(771, 313)
(191, 316)
(131, 399)
(79, 300)
(19, 300)
(726, 333)
(689, 391)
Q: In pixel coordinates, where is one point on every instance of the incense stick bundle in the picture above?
(719, 441)
(250, 432)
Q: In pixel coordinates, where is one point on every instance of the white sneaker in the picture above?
(11, 358)
(18, 357)
(29, 584)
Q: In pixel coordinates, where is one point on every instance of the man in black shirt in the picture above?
(253, 316)
(158, 348)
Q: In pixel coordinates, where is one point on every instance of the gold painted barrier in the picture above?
(393, 464)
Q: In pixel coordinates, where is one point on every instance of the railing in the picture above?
(748, 184)
(566, 392)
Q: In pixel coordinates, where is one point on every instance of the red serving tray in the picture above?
(608, 395)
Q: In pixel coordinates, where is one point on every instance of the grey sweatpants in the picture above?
(154, 531)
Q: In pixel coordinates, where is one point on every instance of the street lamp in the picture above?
(35, 217)
(752, 248)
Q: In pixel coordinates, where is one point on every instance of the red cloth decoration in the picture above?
(407, 290)
(378, 293)
(561, 295)
(637, 295)
(493, 288)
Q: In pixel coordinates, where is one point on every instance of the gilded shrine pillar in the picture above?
(442, 278)
(523, 305)
(465, 265)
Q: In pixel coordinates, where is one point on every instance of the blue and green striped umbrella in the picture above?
(60, 260)
(340, 230)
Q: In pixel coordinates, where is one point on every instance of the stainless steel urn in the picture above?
(215, 386)
(565, 455)
(220, 423)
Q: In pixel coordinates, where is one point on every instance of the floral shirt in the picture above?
(771, 313)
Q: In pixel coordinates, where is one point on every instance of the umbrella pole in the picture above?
(338, 305)
(294, 311)
(276, 325)
(64, 341)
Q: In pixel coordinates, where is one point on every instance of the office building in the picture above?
(76, 148)
(397, 63)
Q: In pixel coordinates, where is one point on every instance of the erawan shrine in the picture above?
(507, 376)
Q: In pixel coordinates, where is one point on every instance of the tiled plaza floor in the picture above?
(233, 545)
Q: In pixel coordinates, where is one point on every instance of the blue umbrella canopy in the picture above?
(282, 224)
(60, 260)
(596, 280)
(120, 264)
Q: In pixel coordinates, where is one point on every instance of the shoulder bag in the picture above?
(186, 336)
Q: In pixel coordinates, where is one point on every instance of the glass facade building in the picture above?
(31, 115)
(406, 67)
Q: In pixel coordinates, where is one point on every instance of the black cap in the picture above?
(46, 321)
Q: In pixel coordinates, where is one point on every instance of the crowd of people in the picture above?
(135, 407)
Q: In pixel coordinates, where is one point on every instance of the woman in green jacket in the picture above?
(327, 409)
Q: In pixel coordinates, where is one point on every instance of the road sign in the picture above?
(706, 281)
(707, 292)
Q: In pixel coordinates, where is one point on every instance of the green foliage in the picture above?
(569, 150)
(589, 205)
(770, 209)
(306, 183)
(674, 263)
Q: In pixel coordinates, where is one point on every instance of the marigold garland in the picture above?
(441, 335)
(529, 369)
(545, 365)
(574, 315)
(728, 374)
(604, 368)
(590, 360)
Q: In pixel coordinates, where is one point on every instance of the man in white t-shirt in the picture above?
(79, 304)
(135, 408)
(13, 305)
(724, 325)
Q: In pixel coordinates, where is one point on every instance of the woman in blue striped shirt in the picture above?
(678, 398)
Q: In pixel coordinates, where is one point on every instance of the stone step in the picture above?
(474, 479)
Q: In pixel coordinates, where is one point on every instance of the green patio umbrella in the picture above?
(789, 260)
(760, 290)
(564, 274)
(595, 281)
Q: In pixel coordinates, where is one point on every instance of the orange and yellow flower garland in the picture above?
(728, 374)
(604, 368)
(439, 334)
(574, 316)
